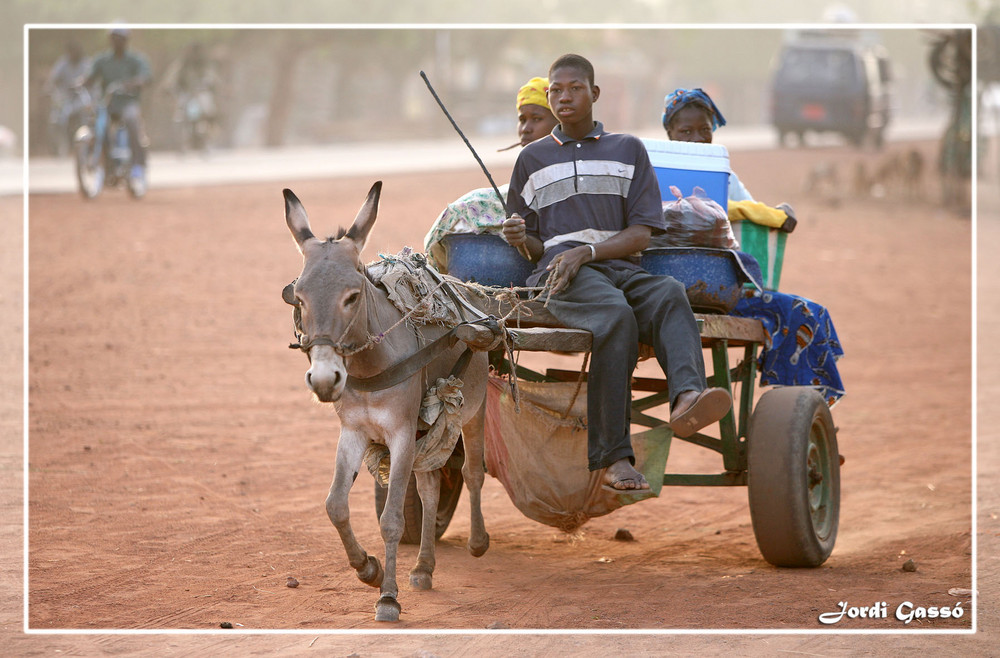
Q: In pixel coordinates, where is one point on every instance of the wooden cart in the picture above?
(782, 447)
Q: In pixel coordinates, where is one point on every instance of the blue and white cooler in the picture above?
(687, 164)
(714, 278)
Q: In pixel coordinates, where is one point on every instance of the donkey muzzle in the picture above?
(326, 376)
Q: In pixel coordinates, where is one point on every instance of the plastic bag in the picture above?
(695, 221)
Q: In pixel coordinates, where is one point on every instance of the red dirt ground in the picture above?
(178, 466)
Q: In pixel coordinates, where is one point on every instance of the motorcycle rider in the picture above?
(129, 70)
(192, 78)
(67, 72)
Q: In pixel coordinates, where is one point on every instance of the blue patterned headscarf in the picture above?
(676, 100)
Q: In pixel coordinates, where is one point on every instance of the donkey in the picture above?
(341, 309)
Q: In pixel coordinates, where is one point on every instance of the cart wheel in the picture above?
(793, 477)
(413, 510)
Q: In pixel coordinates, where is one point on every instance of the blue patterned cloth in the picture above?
(802, 347)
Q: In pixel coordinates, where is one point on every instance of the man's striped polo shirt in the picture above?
(573, 192)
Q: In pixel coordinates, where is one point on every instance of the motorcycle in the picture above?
(104, 155)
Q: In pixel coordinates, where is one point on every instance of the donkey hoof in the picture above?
(480, 549)
(420, 580)
(387, 609)
(371, 573)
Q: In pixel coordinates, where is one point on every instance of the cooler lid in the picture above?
(687, 155)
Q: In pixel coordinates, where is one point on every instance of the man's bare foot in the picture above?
(622, 476)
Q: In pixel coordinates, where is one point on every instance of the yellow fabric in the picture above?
(757, 212)
(534, 93)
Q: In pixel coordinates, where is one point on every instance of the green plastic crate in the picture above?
(765, 244)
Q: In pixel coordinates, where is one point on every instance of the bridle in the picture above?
(408, 366)
(306, 343)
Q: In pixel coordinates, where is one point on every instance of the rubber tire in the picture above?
(132, 191)
(792, 437)
(87, 191)
(450, 491)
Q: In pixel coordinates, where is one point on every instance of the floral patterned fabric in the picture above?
(478, 211)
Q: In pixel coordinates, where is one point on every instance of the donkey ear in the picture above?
(296, 218)
(288, 294)
(366, 217)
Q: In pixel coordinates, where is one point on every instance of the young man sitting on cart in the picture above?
(585, 202)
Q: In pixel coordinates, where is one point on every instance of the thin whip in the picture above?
(522, 249)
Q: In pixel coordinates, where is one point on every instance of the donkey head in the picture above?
(331, 294)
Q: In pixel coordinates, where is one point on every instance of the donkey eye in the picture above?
(353, 298)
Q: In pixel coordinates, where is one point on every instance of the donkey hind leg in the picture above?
(429, 488)
(350, 449)
(387, 608)
(472, 471)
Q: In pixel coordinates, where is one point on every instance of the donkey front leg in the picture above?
(391, 524)
(473, 434)
(429, 488)
(350, 450)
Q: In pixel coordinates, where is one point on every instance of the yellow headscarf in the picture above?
(534, 93)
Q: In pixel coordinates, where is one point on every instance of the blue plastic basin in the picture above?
(714, 278)
(485, 259)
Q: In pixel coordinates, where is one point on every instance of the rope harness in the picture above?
(411, 365)
(306, 343)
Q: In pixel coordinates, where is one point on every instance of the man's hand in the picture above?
(513, 230)
(565, 266)
(516, 235)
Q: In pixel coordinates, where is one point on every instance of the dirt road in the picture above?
(178, 466)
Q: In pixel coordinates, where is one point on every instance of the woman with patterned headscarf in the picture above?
(480, 211)
(689, 115)
(802, 348)
(684, 106)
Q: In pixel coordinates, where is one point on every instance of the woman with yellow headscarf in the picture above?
(480, 211)
(534, 116)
